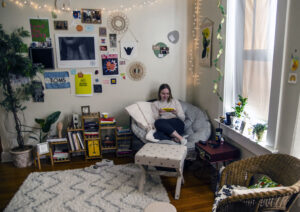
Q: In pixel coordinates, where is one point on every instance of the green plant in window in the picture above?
(239, 108)
(259, 129)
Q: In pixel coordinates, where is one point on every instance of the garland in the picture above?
(221, 50)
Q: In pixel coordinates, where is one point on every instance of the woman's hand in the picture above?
(161, 111)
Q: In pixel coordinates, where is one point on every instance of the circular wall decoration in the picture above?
(136, 71)
(160, 50)
(118, 22)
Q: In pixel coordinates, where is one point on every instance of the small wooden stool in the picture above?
(162, 155)
(37, 161)
(160, 206)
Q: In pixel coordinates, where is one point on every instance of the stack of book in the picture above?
(55, 139)
(91, 129)
(124, 136)
(76, 141)
(108, 122)
(59, 155)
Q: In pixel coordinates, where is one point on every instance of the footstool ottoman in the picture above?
(162, 155)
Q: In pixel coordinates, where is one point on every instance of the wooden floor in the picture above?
(196, 194)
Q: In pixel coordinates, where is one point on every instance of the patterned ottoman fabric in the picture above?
(164, 155)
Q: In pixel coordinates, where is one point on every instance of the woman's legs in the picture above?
(169, 128)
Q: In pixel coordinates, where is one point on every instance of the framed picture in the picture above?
(43, 148)
(85, 110)
(76, 50)
(102, 32)
(206, 30)
(60, 25)
(113, 40)
(91, 16)
(103, 48)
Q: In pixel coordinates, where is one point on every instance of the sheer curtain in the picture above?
(250, 33)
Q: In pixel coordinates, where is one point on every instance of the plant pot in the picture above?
(22, 158)
(260, 135)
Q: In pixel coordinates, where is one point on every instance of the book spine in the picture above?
(71, 141)
(75, 141)
(80, 140)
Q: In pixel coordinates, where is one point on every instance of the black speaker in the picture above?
(42, 56)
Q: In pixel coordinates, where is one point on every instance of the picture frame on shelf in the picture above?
(85, 110)
(43, 148)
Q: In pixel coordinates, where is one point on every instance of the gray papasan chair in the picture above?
(197, 127)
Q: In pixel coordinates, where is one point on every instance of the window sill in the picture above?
(251, 145)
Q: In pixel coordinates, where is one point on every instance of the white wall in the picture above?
(150, 25)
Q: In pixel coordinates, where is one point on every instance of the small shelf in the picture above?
(107, 128)
(109, 148)
(61, 161)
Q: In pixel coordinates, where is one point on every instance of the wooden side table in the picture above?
(37, 160)
(221, 154)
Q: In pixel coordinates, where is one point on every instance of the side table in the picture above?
(214, 155)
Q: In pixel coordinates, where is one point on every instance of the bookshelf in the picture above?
(59, 149)
(108, 135)
(124, 142)
(76, 141)
(91, 135)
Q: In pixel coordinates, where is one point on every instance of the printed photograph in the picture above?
(102, 32)
(61, 25)
(113, 40)
(91, 16)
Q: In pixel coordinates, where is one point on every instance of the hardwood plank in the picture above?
(196, 194)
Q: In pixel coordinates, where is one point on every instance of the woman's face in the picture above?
(164, 94)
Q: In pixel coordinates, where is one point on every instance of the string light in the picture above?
(121, 8)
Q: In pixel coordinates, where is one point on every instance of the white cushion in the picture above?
(142, 113)
(244, 190)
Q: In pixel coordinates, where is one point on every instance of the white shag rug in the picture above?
(115, 188)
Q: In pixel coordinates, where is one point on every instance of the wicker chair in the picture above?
(282, 168)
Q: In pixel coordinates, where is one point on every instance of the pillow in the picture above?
(265, 182)
(225, 191)
(244, 190)
(142, 113)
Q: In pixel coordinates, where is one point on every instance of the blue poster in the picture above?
(57, 80)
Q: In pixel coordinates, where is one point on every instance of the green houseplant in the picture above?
(258, 130)
(239, 108)
(45, 125)
(14, 64)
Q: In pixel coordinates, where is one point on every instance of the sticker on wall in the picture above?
(96, 80)
(76, 14)
(123, 76)
(122, 62)
(73, 71)
(113, 81)
(97, 88)
(79, 28)
(54, 15)
(136, 71)
(96, 72)
(128, 49)
(89, 28)
(83, 84)
(110, 64)
(160, 50)
(57, 80)
(292, 78)
(294, 63)
(103, 40)
(37, 91)
(103, 48)
(173, 36)
(105, 82)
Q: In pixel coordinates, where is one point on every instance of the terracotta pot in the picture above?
(22, 158)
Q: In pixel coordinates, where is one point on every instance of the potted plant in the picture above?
(14, 64)
(258, 130)
(45, 126)
(238, 112)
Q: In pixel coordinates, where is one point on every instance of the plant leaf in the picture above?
(40, 121)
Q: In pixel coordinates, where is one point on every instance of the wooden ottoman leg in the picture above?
(178, 184)
(142, 178)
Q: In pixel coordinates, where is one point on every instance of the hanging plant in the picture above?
(220, 52)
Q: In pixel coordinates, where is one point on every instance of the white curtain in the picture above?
(250, 32)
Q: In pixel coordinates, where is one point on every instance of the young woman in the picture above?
(169, 116)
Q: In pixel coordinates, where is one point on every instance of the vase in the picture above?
(260, 135)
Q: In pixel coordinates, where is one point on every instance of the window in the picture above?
(251, 65)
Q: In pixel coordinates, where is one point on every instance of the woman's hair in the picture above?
(163, 86)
